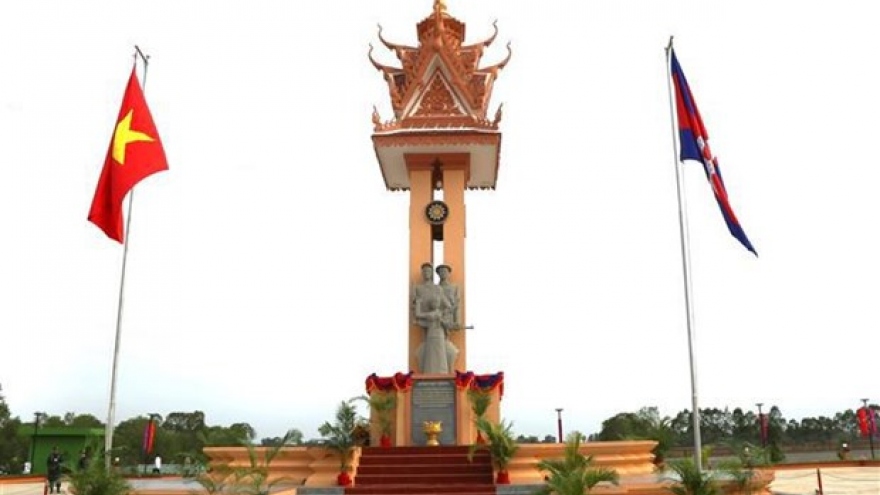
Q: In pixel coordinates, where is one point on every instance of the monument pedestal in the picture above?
(443, 398)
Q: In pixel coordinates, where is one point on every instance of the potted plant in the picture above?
(574, 474)
(690, 480)
(480, 400)
(501, 445)
(382, 404)
(339, 437)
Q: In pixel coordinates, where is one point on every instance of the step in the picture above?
(368, 460)
(371, 469)
(445, 489)
(434, 491)
(417, 450)
(424, 479)
(430, 491)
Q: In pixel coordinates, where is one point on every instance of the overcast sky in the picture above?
(267, 269)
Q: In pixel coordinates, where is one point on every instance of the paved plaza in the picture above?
(835, 481)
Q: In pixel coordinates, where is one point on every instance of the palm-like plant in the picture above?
(740, 474)
(690, 480)
(339, 437)
(216, 479)
(501, 444)
(96, 479)
(252, 479)
(574, 474)
(480, 401)
(382, 404)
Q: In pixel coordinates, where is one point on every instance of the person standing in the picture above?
(53, 470)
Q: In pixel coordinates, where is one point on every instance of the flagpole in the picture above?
(111, 411)
(686, 266)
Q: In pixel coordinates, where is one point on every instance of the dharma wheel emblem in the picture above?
(437, 212)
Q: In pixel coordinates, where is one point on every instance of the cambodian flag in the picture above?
(695, 146)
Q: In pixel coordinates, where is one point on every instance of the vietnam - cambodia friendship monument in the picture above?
(439, 144)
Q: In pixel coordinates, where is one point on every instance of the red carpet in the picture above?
(422, 471)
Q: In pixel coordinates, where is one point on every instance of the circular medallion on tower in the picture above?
(437, 212)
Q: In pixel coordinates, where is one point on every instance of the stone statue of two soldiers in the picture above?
(435, 308)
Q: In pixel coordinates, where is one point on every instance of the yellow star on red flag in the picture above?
(136, 145)
(125, 134)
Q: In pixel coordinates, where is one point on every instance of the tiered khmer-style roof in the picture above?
(440, 98)
(440, 83)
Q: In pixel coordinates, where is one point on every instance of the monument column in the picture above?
(421, 246)
(454, 231)
(440, 136)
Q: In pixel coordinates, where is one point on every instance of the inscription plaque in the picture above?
(433, 400)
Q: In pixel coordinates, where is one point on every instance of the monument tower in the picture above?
(438, 145)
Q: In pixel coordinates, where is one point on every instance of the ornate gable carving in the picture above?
(437, 100)
(460, 98)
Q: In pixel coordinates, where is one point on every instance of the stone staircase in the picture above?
(438, 470)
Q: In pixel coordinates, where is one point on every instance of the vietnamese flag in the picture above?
(135, 153)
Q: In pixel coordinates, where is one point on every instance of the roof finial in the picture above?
(439, 7)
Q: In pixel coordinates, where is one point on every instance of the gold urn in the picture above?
(432, 429)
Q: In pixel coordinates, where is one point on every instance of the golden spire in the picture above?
(439, 7)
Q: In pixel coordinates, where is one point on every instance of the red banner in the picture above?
(865, 418)
(764, 425)
(149, 436)
(400, 382)
(485, 382)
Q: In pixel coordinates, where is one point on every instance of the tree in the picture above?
(846, 424)
(13, 448)
(619, 426)
(235, 434)
(744, 425)
(185, 434)
(646, 423)
(716, 424)
(128, 441)
(185, 422)
(82, 420)
(294, 437)
(775, 435)
(53, 421)
(682, 427)
(527, 439)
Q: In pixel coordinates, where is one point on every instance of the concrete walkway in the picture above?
(26, 489)
(835, 481)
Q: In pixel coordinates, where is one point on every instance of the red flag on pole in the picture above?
(764, 424)
(864, 425)
(135, 153)
(149, 436)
